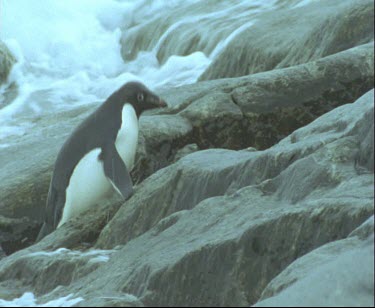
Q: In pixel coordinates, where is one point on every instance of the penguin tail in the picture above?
(44, 231)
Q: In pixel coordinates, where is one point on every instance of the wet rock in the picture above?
(186, 150)
(6, 62)
(261, 109)
(119, 300)
(340, 273)
(312, 33)
(365, 230)
(162, 32)
(161, 136)
(217, 215)
(254, 111)
(216, 120)
(17, 233)
(25, 180)
(2, 253)
(57, 268)
(211, 173)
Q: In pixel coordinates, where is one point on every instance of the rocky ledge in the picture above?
(236, 113)
(250, 190)
(6, 62)
(217, 226)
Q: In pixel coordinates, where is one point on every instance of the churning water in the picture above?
(72, 53)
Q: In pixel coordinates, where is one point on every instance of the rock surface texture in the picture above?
(332, 27)
(256, 189)
(221, 215)
(340, 273)
(6, 62)
(252, 111)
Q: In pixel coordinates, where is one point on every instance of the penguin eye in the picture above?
(140, 97)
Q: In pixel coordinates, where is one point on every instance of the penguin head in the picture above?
(140, 97)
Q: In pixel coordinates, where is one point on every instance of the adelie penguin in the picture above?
(99, 154)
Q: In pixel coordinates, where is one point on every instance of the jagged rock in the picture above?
(6, 62)
(365, 230)
(24, 179)
(162, 32)
(217, 216)
(219, 227)
(206, 174)
(340, 273)
(216, 120)
(272, 104)
(255, 111)
(312, 33)
(2, 253)
(120, 300)
(161, 137)
(17, 233)
(186, 150)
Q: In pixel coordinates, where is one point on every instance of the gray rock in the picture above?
(315, 30)
(275, 103)
(216, 120)
(2, 253)
(25, 181)
(6, 62)
(23, 197)
(307, 84)
(292, 175)
(161, 136)
(162, 32)
(193, 243)
(186, 150)
(340, 273)
(17, 233)
(255, 111)
(365, 230)
(216, 227)
(112, 301)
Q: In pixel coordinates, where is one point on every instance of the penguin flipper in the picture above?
(117, 173)
(54, 209)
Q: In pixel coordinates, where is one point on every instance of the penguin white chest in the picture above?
(88, 183)
(127, 137)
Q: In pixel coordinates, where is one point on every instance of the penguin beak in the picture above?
(162, 103)
(157, 101)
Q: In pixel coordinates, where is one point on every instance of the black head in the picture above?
(139, 96)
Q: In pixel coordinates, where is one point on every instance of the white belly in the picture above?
(127, 137)
(87, 186)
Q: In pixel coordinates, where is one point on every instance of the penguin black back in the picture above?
(96, 137)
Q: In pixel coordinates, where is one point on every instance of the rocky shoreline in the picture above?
(252, 189)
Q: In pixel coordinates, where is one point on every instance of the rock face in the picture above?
(315, 30)
(252, 190)
(253, 111)
(340, 273)
(162, 32)
(214, 228)
(6, 62)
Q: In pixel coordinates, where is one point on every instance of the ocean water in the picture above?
(28, 299)
(72, 53)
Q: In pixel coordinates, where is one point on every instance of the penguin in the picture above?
(98, 155)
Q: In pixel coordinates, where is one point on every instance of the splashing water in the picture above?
(28, 300)
(71, 53)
